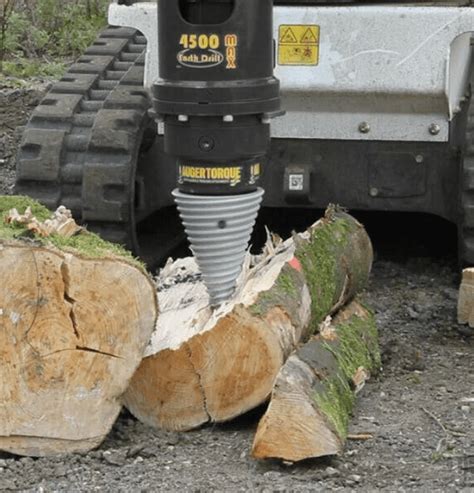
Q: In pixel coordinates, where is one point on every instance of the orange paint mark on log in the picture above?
(296, 264)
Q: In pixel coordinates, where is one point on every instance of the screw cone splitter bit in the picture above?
(216, 96)
(219, 229)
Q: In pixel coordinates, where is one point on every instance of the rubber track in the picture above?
(81, 144)
(466, 229)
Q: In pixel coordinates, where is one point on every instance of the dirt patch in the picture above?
(16, 105)
(420, 410)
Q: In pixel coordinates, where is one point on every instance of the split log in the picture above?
(76, 314)
(314, 392)
(211, 366)
(466, 298)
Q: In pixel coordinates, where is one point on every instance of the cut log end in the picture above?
(74, 330)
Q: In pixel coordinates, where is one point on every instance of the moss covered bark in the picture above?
(285, 293)
(315, 392)
(85, 244)
(353, 345)
(337, 260)
(336, 257)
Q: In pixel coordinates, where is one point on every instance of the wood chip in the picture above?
(61, 222)
(360, 436)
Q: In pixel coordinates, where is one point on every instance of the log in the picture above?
(212, 366)
(76, 314)
(314, 392)
(466, 298)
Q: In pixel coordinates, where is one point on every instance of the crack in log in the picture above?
(77, 348)
(97, 351)
(201, 387)
(69, 300)
(38, 298)
(72, 315)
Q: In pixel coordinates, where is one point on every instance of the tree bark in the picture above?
(315, 390)
(75, 318)
(211, 366)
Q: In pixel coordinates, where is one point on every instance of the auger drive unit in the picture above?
(210, 109)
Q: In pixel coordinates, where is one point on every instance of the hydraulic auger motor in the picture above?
(216, 96)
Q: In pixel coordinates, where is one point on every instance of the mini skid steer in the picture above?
(222, 106)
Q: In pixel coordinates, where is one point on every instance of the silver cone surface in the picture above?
(219, 230)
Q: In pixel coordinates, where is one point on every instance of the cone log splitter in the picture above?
(216, 96)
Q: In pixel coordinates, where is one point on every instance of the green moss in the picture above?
(86, 244)
(336, 402)
(285, 293)
(92, 246)
(8, 202)
(319, 256)
(286, 284)
(357, 346)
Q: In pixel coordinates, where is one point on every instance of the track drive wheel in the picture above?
(85, 142)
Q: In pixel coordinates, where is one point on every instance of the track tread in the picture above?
(81, 144)
(466, 226)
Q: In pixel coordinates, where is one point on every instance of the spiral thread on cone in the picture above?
(219, 230)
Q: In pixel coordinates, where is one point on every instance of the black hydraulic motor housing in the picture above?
(216, 93)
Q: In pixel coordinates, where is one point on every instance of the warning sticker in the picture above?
(298, 45)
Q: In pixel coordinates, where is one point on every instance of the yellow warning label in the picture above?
(298, 44)
(288, 36)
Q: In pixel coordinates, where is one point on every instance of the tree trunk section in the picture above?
(314, 392)
(211, 366)
(73, 328)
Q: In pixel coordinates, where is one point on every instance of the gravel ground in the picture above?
(419, 410)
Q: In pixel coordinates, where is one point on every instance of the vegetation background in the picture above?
(38, 38)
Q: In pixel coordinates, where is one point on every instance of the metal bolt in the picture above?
(434, 129)
(374, 192)
(364, 128)
(228, 118)
(419, 159)
(183, 118)
(206, 144)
